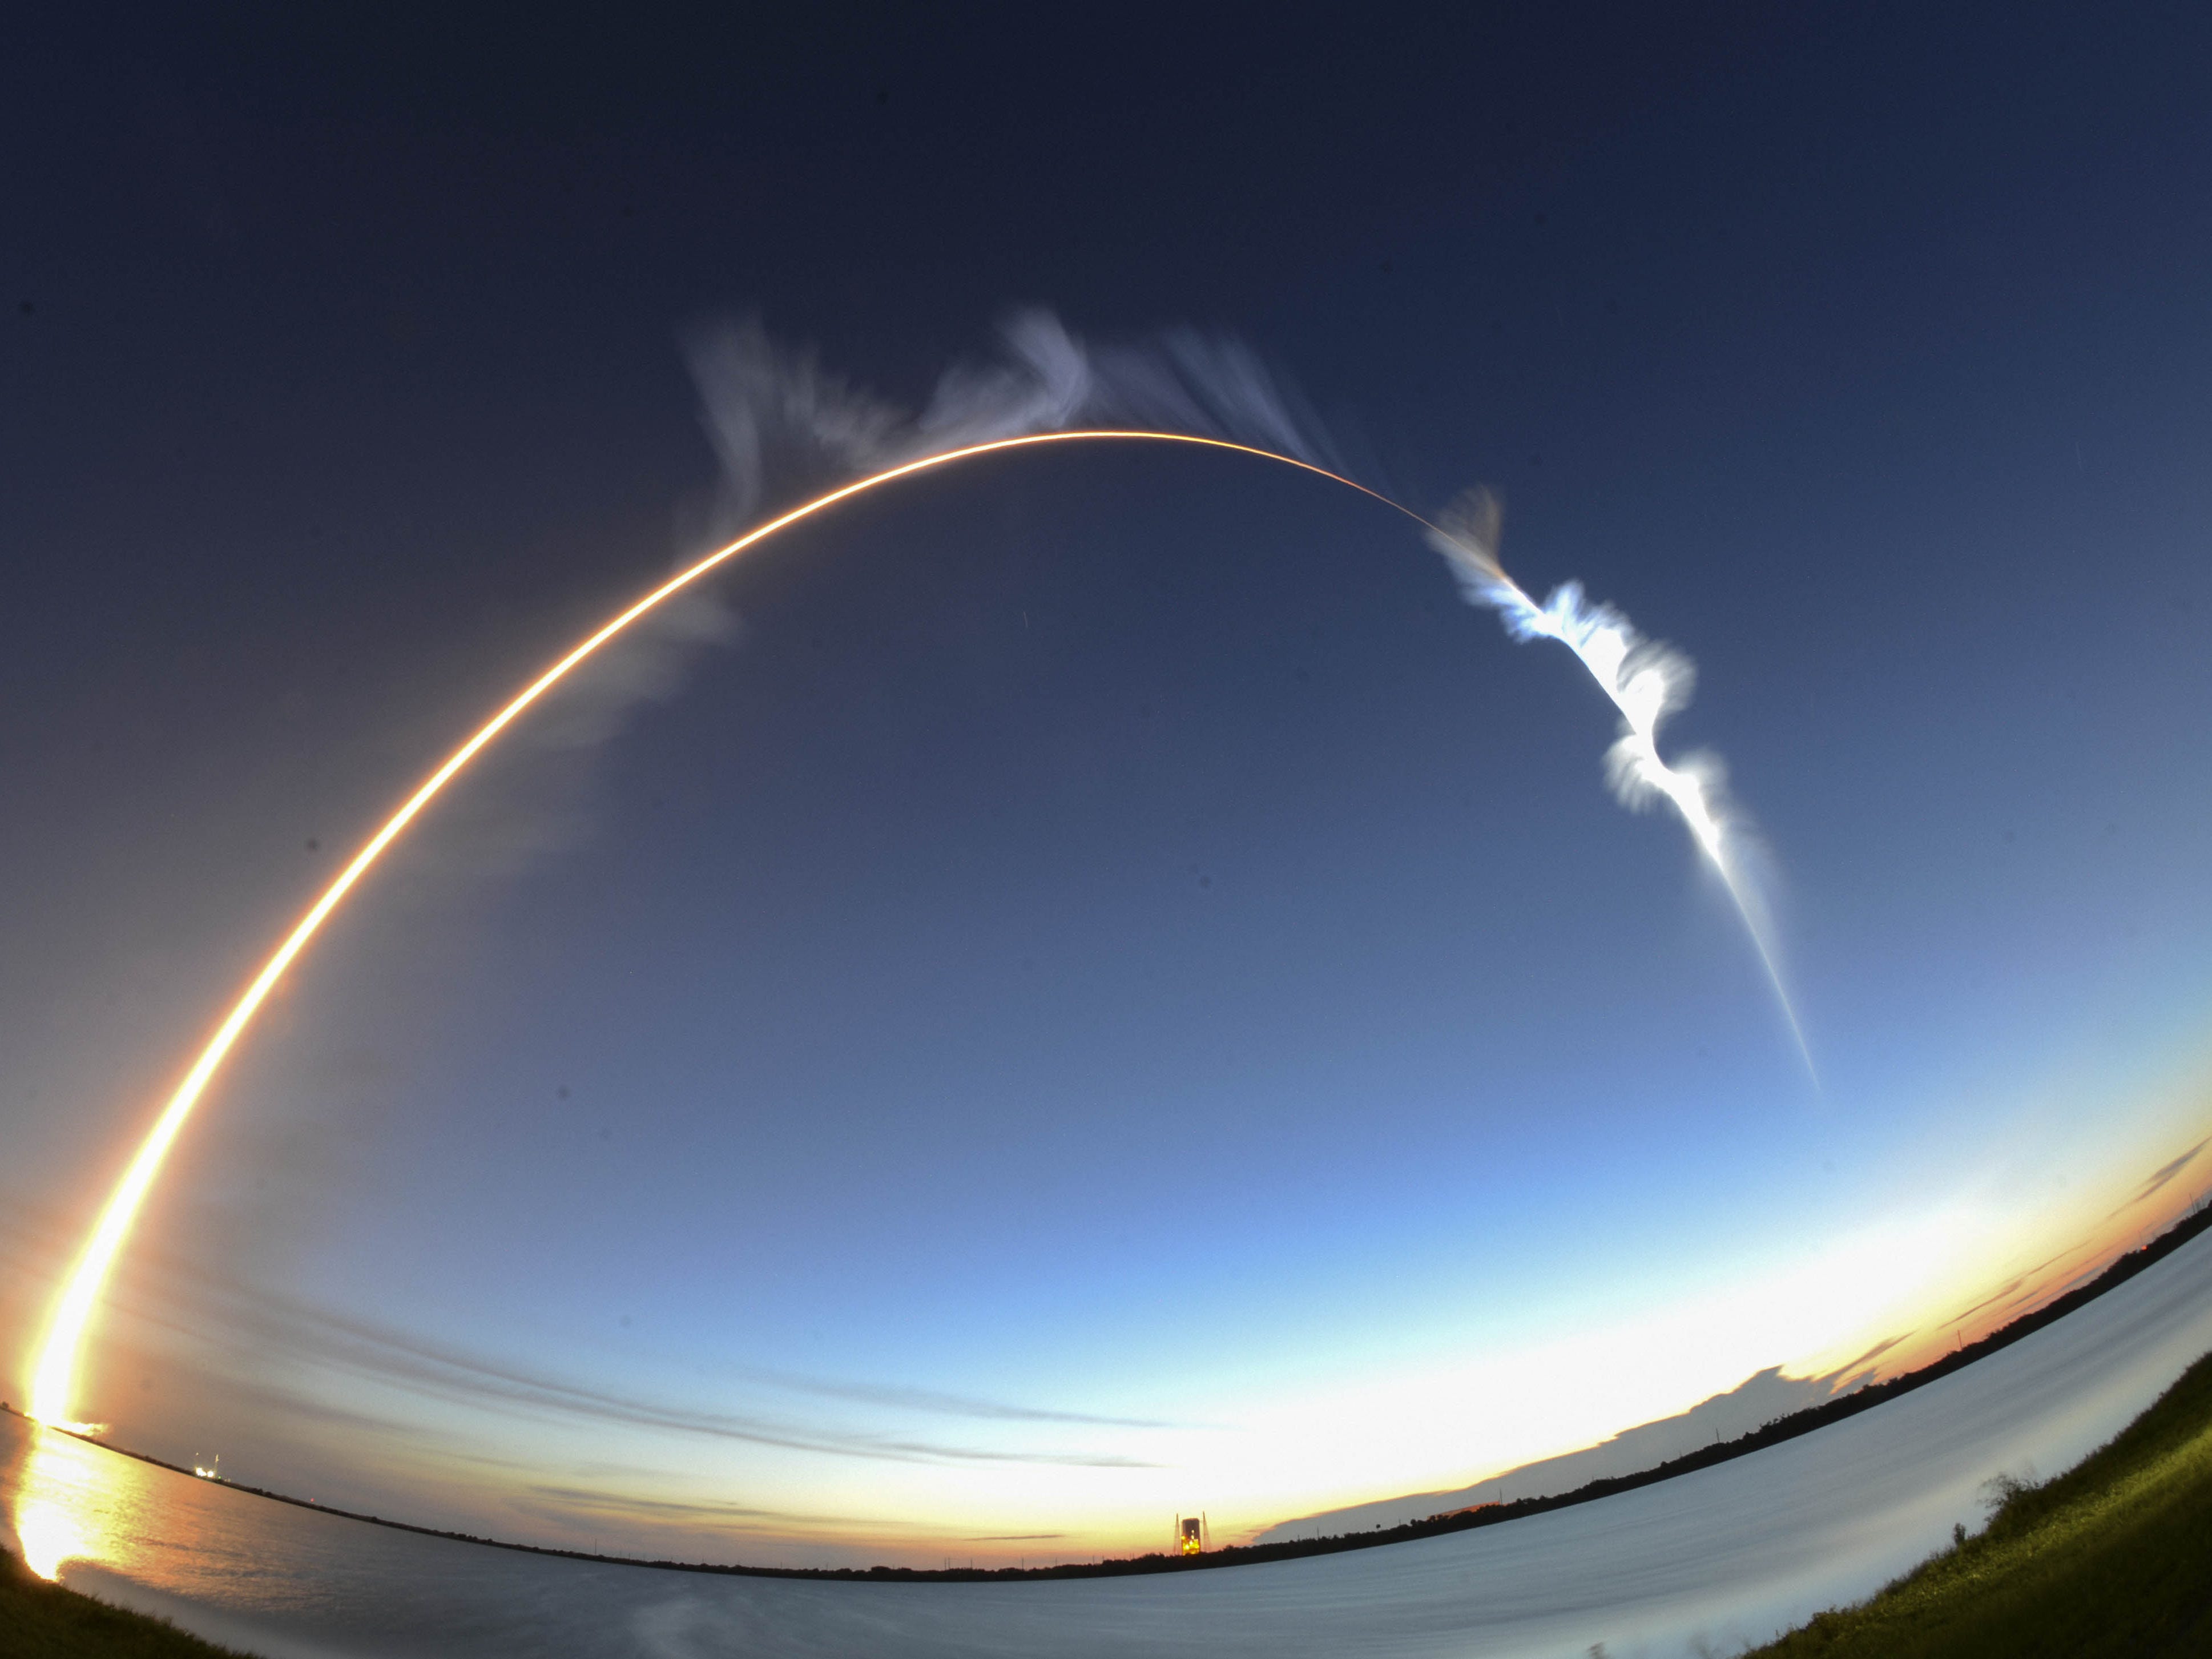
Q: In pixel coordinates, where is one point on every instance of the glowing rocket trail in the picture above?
(54, 1384)
(1646, 681)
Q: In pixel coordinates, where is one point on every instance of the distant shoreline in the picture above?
(1787, 1427)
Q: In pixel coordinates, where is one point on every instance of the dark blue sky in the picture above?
(1106, 931)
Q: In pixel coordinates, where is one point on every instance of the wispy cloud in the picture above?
(943, 1404)
(466, 1378)
(1014, 1537)
(2166, 1172)
(191, 1301)
(782, 424)
(578, 1501)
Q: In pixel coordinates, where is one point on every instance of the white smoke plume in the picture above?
(779, 423)
(1647, 681)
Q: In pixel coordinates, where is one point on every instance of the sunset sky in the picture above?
(1088, 985)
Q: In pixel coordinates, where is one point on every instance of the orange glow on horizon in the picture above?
(2017, 1293)
(54, 1381)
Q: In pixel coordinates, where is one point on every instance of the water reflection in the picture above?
(70, 1500)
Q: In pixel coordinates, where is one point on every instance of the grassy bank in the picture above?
(2113, 1558)
(39, 1620)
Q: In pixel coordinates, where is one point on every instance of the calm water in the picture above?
(1718, 1557)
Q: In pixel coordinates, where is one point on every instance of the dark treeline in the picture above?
(1486, 1515)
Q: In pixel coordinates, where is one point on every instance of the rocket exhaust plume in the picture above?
(1647, 682)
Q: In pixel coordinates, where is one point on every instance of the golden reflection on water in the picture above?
(74, 1502)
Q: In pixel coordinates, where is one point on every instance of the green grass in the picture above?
(2113, 1558)
(39, 1620)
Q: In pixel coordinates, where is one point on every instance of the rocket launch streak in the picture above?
(53, 1382)
(1645, 682)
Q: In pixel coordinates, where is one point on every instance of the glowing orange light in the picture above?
(53, 1384)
